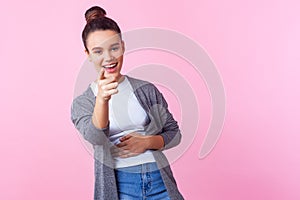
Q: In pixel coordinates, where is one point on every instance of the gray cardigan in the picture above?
(160, 122)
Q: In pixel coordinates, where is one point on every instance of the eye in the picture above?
(115, 48)
(98, 52)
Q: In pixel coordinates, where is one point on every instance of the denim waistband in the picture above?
(142, 168)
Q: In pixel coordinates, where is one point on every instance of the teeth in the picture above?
(111, 66)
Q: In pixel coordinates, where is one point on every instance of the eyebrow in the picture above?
(115, 44)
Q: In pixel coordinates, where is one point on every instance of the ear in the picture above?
(88, 55)
(123, 46)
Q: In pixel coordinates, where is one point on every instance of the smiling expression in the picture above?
(106, 50)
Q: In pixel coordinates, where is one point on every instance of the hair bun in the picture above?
(94, 12)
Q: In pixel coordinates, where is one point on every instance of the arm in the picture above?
(100, 114)
(106, 88)
(170, 131)
(134, 144)
(91, 119)
(163, 130)
(162, 122)
(81, 116)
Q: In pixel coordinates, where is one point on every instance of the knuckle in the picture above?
(105, 94)
(100, 82)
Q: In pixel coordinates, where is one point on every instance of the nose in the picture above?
(108, 56)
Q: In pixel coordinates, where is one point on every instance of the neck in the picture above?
(122, 77)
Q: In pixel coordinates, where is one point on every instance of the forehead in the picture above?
(102, 38)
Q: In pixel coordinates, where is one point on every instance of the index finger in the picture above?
(121, 144)
(101, 74)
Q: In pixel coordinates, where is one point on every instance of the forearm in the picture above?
(155, 142)
(100, 114)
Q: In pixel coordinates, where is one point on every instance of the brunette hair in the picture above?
(96, 20)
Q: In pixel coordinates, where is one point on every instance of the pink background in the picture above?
(255, 46)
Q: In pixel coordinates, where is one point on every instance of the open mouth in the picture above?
(110, 67)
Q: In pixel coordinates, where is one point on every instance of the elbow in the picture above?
(177, 138)
(172, 142)
(92, 134)
(92, 139)
(95, 135)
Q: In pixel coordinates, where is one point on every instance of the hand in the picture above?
(132, 144)
(106, 87)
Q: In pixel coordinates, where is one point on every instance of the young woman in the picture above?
(125, 119)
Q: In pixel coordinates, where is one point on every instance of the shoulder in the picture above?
(138, 84)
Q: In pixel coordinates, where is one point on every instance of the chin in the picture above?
(116, 75)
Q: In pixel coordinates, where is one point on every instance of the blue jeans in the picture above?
(141, 182)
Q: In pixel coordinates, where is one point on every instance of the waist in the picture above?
(142, 158)
(141, 168)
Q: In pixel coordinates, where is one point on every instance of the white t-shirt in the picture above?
(126, 115)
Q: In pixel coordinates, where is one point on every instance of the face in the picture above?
(106, 50)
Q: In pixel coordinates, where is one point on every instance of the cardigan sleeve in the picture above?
(170, 130)
(81, 115)
(161, 120)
